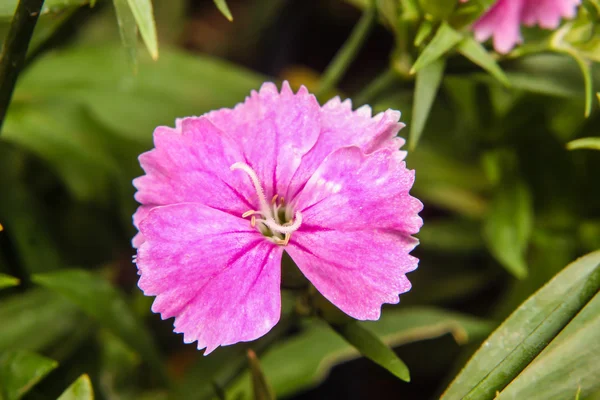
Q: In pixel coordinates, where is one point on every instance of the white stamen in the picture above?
(264, 205)
(274, 226)
(269, 211)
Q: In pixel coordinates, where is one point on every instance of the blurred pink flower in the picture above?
(503, 20)
(226, 193)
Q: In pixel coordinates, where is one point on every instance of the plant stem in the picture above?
(15, 49)
(340, 63)
(375, 87)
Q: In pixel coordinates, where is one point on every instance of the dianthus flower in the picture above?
(225, 194)
(503, 19)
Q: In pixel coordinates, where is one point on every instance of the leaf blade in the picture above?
(222, 6)
(370, 346)
(98, 298)
(81, 389)
(428, 82)
(20, 371)
(144, 17)
(444, 40)
(475, 52)
(570, 285)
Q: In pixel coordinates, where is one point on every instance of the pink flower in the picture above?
(226, 193)
(503, 20)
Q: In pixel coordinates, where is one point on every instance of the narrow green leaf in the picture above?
(142, 12)
(222, 6)
(127, 30)
(318, 348)
(261, 388)
(423, 33)
(7, 7)
(585, 67)
(525, 333)
(427, 85)
(8, 281)
(507, 227)
(568, 365)
(81, 389)
(20, 371)
(444, 40)
(592, 143)
(475, 52)
(102, 301)
(370, 346)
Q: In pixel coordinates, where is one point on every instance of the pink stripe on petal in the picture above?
(193, 165)
(210, 270)
(340, 127)
(357, 271)
(355, 191)
(274, 131)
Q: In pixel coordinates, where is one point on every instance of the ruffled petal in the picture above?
(341, 127)
(548, 13)
(355, 191)
(210, 270)
(357, 271)
(275, 130)
(355, 241)
(191, 163)
(502, 21)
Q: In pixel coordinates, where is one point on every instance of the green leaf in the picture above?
(63, 134)
(373, 348)
(127, 30)
(569, 364)
(592, 143)
(427, 85)
(222, 6)
(99, 78)
(38, 318)
(527, 331)
(423, 33)
(102, 301)
(507, 227)
(8, 7)
(261, 388)
(444, 40)
(585, 67)
(475, 52)
(20, 371)
(81, 389)
(8, 281)
(142, 12)
(316, 350)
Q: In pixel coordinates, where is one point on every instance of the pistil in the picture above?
(268, 214)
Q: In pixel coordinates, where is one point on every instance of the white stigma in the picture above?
(268, 210)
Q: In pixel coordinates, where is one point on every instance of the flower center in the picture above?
(275, 219)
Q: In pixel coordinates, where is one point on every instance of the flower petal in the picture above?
(341, 127)
(357, 271)
(210, 270)
(354, 191)
(502, 21)
(548, 13)
(191, 163)
(274, 130)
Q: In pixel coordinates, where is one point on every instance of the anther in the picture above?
(274, 199)
(253, 221)
(248, 213)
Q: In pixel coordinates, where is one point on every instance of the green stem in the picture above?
(340, 63)
(15, 49)
(375, 87)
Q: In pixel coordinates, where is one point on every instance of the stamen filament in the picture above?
(264, 206)
(274, 226)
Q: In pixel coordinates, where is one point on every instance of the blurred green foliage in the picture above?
(505, 153)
